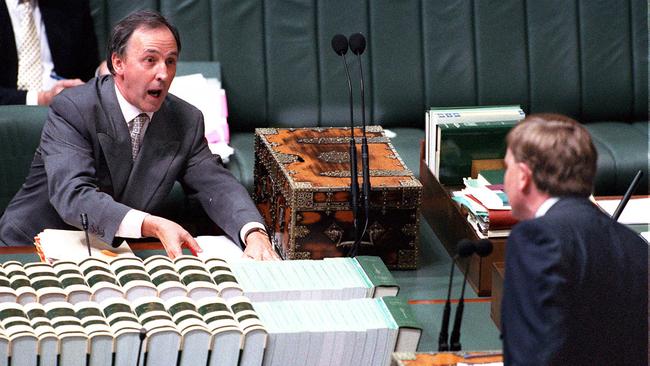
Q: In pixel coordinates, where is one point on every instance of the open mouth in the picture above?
(155, 92)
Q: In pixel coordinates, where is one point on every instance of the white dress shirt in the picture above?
(131, 225)
(46, 56)
(544, 207)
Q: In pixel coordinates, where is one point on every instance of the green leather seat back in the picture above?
(587, 59)
(20, 132)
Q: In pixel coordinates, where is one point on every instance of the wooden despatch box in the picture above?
(302, 189)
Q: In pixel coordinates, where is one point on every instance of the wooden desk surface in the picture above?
(27, 254)
(445, 358)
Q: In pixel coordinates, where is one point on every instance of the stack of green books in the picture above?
(457, 136)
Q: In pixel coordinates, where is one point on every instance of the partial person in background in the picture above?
(114, 147)
(576, 281)
(45, 47)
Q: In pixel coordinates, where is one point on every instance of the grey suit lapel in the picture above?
(159, 148)
(113, 136)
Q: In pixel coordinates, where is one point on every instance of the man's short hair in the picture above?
(123, 30)
(558, 151)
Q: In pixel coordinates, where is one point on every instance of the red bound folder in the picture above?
(499, 219)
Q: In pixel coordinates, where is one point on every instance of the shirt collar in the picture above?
(544, 207)
(129, 111)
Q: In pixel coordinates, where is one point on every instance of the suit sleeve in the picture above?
(535, 293)
(222, 197)
(69, 163)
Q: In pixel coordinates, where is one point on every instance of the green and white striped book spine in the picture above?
(195, 277)
(163, 339)
(48, 341)
(73, 341)
(4, 348)
(163, 275)
(100, 335)
(7, 293)
(226, 336)
(133, 277)
(254, 333)
(224, 278)
(46, 282)
(23, 343)
(20, 282)
(126, 329)
(196, 337)
(101, 279)
(73, 281)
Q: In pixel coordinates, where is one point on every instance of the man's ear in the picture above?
(118, 63)
(525, 178)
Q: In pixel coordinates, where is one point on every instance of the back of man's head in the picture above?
(558, 151)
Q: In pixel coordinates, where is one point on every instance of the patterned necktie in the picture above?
(136, 126)
(30, 68)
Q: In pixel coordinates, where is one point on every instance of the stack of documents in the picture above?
(487, 206)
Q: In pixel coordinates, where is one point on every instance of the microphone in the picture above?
(628, 194)
(84, 225)
(357, 46)
(142, 335)
(483, 248)
(465, 248)
(340, 46)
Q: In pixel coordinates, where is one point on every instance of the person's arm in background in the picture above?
(12, 96)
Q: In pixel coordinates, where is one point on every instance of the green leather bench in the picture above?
(586, 59)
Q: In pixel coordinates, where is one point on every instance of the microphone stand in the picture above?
(482, 248)
(142, 336)
(465, 248)
(354, 181)
(365, 167)
(443, 337)
(455, 333)
(628, 194)
(84, 225)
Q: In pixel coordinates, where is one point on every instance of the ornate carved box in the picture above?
(302, 188)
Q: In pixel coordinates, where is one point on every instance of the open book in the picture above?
(52, 245)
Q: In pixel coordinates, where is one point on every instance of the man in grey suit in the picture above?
(576, 281)
(113, 148)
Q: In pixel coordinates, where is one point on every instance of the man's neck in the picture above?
(534, 201)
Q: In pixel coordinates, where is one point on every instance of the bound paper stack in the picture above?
(46, 314)
(335, 332)
(487, 207)
(195, 312)
(327, 279)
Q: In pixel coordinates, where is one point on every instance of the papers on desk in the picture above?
(220, 247)
(637, 210)
(208, 96)
(52, 245)
(488, 210)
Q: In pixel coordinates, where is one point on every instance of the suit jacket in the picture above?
(83, 164)
(575, 290)
(72, 41)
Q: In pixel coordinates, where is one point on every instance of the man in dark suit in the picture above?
(576, 281)
(70, 48)
(114, 147)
